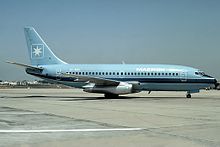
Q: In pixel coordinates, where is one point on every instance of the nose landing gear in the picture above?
(110, 95)
(188, 95)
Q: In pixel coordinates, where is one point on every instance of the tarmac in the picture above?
(71, 117)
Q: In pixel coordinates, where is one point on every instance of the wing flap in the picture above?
(97, 80)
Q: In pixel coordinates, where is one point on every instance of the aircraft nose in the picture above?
(216, 84)
(215, 81)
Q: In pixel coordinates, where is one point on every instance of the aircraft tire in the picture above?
(110, 95)
(188, 95)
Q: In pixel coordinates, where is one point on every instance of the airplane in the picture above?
(111, 80)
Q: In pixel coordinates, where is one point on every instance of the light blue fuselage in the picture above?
(152, 77)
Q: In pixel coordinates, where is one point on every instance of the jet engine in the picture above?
(122, 88)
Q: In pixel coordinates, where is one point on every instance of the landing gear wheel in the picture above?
(109, 95)
(188, 95)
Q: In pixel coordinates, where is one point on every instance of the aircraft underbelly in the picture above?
(156, 86)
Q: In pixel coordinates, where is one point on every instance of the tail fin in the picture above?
(39, 52)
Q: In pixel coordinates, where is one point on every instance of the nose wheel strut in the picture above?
(188, 95)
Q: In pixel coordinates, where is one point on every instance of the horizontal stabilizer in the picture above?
(25, 65)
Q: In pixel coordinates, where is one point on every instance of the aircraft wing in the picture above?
(96, 80)
(25, 65)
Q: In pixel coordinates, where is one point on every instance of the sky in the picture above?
(183, 32)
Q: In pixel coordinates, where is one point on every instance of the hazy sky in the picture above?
(185, 32)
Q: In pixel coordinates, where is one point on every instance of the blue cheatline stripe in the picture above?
(139, 79)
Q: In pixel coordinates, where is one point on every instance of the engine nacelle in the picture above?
(122, 88)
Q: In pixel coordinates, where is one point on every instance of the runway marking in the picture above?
(71, 130)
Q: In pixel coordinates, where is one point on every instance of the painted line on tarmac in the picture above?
(71, 130)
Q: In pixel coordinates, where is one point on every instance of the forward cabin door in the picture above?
(183, 76)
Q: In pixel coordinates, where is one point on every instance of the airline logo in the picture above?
(37, 51)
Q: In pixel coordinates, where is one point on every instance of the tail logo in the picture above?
(37, 51)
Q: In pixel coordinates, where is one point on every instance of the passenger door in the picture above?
(183, 76)
(58, 74)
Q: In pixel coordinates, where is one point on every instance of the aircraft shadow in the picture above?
(74, 98)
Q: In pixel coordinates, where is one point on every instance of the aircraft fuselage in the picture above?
(148, 77)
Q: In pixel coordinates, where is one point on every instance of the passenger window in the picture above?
(121, 73)
(106, 73)
(155, 74)
(117, 73)
(173, 74)
(158, 74)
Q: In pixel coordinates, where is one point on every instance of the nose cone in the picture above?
(216, 84)
(215, 81)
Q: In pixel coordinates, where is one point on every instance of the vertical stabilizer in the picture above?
(39, 52)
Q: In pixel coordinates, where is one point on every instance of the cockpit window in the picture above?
(201, 73)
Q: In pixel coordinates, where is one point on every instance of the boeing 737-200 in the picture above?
(111, 79)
